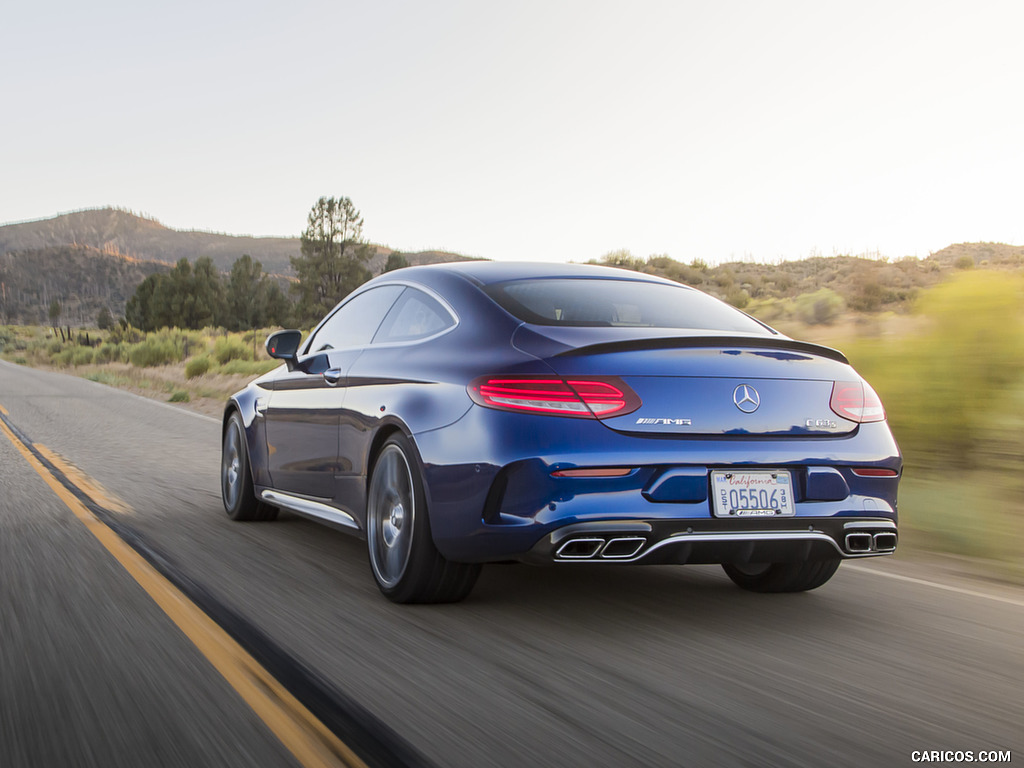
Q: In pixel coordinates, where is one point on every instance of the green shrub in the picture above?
(197, 366)
(819, 308)
(125, 333)
(768, 310)
(110, 353)
(155, 351)
(179, 396)
(54, 347)
(63, 358)
(226, 349)
(82, 356)
(20, 361)
(738, 297)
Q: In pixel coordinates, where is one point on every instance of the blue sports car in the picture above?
(459, 414)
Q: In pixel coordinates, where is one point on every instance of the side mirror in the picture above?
(284, 345)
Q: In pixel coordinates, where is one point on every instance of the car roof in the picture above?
(488, 272)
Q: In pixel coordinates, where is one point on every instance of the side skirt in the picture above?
(312, 509)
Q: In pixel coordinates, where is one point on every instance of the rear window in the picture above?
(595, 302)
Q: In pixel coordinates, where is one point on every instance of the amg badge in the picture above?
(676, 422)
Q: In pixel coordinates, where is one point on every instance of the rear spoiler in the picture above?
(726, 342)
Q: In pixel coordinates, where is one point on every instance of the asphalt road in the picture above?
(568, 666)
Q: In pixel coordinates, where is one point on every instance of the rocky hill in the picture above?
(114, 231)
(96, 258)
(817, 289)
(82, 278)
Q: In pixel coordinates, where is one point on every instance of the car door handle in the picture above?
(333, 376)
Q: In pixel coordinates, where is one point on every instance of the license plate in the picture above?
(755, 493)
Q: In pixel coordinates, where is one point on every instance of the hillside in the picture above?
(119, 232)
(89, 259)
(82, 278)
(818, 289)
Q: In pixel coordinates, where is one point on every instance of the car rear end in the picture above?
(641, 443)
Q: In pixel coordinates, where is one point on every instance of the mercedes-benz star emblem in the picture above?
(746, 398)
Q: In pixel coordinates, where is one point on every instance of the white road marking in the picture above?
(935, 584)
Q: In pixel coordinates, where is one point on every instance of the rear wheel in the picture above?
(782, 577)
(406, 564)
(236, 488)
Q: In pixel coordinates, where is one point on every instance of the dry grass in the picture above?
(207, 394)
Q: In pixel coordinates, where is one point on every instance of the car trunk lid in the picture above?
(706, 384)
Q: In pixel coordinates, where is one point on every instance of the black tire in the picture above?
(236, 488)
(782, 577)
(403, 559)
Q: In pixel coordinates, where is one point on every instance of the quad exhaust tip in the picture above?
(616, 548)
(864, 543)
(885, 542)
(623, 547)
(580, 549)
(858, 542)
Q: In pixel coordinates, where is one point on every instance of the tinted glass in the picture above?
(414, 316)
(358, 319)
(595, 302)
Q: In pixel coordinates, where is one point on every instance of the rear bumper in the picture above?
(492, 495)
(660, 542)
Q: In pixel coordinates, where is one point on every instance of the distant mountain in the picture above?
(95, 258)
(114, 231)
(861, 284)
(980, 255)
(119, 232)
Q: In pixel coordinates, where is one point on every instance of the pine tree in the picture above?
(254, 300)
(334, 258)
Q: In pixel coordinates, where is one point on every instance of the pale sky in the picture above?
(549, 130)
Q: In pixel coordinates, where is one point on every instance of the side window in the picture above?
(358, 319)
(415, 315)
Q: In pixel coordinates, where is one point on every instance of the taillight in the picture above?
(588, 398)
(874, 472)
(856, 401)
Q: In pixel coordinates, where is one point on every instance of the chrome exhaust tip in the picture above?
(885, 542)
(858, 543)
(623, 547)
(580, 549)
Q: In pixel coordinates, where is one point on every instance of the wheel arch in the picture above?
(385, 431)
(380, 437)
(244, 404)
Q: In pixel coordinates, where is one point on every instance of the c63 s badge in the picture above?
(673, 422)
(820, 424)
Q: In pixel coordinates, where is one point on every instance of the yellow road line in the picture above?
(312, 744)
(4, 411)
(84, 483)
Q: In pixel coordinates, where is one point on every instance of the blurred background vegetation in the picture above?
(954, 393)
